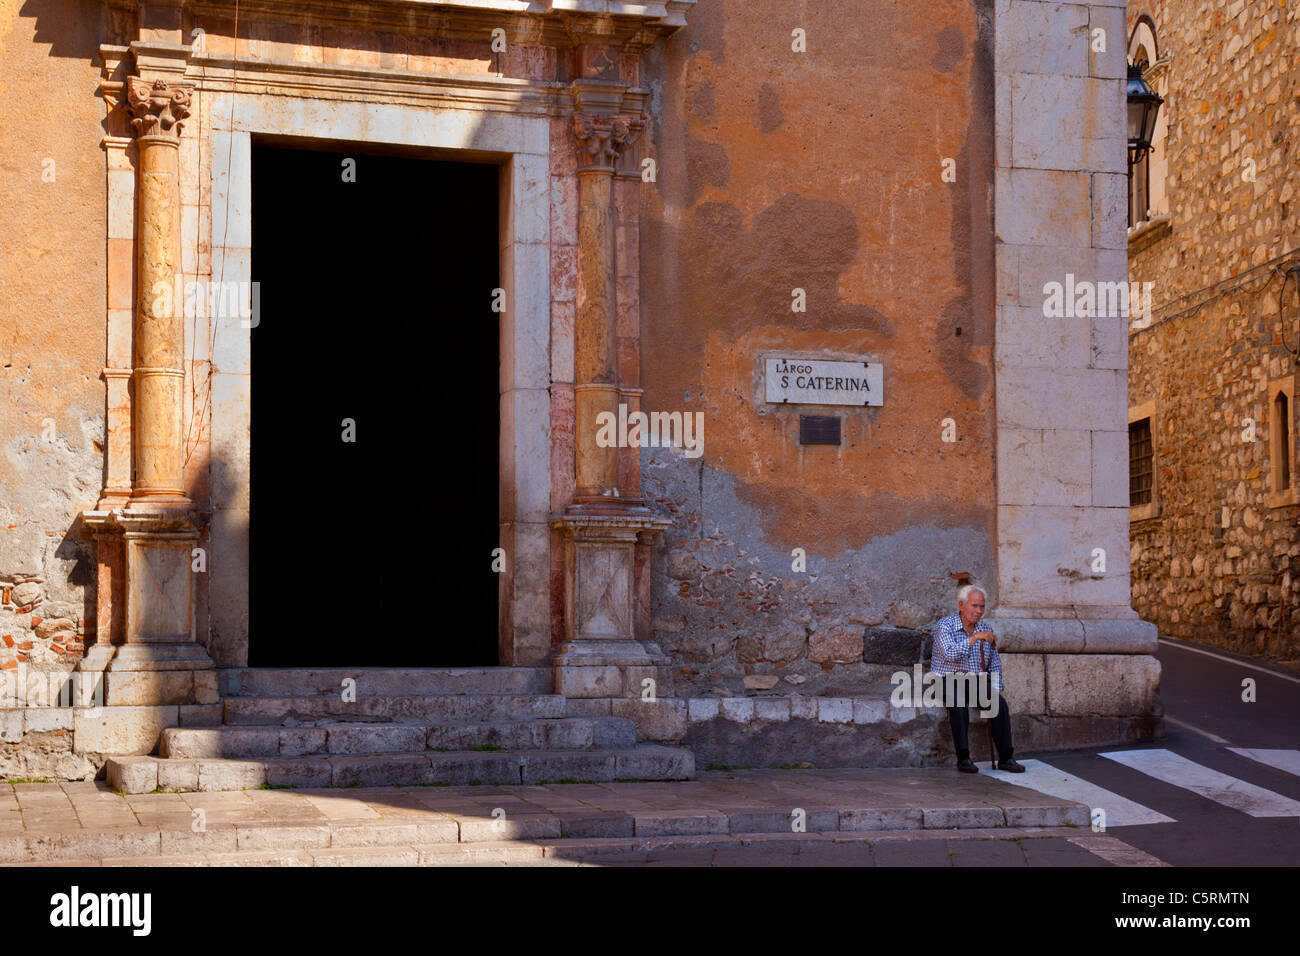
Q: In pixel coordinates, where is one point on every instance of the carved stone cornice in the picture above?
(544, 21)
(158, 108)
(602, 139)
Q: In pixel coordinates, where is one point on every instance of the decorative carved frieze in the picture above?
(158, 108)
(602, 139)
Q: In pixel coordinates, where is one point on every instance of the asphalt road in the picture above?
(1205, 717)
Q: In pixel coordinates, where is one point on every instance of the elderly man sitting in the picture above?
(956, 649)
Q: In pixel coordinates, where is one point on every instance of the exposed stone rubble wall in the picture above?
(38, 631)
(1220, 562)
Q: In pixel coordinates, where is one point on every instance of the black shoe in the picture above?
(1010, 766)
(967, 766)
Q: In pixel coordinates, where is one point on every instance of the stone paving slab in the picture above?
(88, 821)
(1030, 847)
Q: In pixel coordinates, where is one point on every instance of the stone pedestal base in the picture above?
(149, 655)
(603, 654)
(595, 668)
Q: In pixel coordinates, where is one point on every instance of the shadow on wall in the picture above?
(70, 29)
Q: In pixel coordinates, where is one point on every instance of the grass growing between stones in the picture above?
(28, 780)
(728, 766)
(486, 747)
(278, 786)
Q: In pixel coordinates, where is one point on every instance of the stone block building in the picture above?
(1212, 418)
(628, 384)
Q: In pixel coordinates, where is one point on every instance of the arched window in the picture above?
(1147, 196)
(1281, 450)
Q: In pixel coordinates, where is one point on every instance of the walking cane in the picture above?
(992, 759)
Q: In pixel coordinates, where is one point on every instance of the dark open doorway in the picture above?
(376, 287)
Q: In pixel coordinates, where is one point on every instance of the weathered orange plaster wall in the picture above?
(820, 170)
(52, 313)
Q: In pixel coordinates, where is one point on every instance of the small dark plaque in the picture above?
(819, 430)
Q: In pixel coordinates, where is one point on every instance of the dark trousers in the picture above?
(959, 721)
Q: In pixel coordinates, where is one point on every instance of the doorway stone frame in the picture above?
(522, 145)
(560, 127)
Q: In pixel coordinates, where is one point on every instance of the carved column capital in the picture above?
(602, 139)
(158, 108)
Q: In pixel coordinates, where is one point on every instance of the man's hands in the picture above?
(987, 637)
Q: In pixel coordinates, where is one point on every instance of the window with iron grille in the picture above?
(1141, 465)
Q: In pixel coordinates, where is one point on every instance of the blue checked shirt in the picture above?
(952, 652)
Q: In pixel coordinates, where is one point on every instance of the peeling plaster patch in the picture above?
(704, 29)
(952, 48)
(839, 522)
(726, 602)
(770, 116)
(966, 367)
(704, 104)
(736, 275)
(706, 165)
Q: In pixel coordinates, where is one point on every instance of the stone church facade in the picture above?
(1212, 415)
(681, 194)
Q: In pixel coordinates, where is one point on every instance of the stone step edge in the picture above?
(334, 696)
(444, 835)
(141, 774)
(244, 681)
(398, 722)
(570, 852)
(425, 724)
(601, 729)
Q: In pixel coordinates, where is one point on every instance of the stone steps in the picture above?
(385, 682)
(566, 733)
(311, 710)
(471, 768)
(350, 727)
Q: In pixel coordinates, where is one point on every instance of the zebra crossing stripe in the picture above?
(1287, 760)
(1219, 787)
(1120, 811)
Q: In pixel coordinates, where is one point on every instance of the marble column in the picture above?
(606, 528)
(158, 112)
(600, 139)
(154, 660)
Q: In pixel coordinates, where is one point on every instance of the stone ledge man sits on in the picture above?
(956, 649)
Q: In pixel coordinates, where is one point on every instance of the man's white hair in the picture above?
(964, 592)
